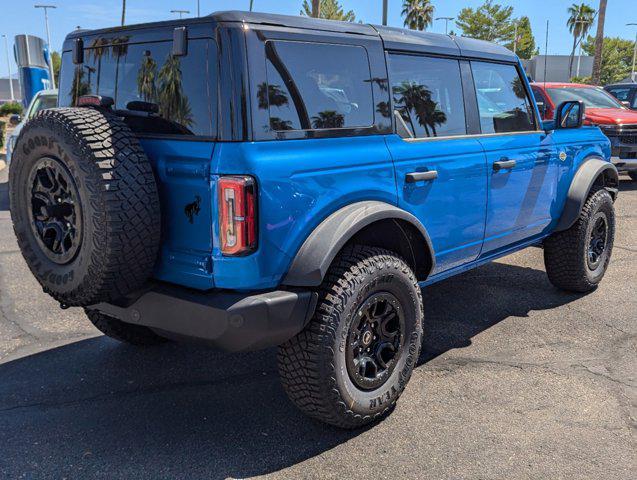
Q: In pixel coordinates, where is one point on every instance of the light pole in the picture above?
(447, 20)
(385, 12)
(180, 12)
(251, 3)
(48, 39)
(6, 47)
(633, 73)
(579, 55)
(198, 10)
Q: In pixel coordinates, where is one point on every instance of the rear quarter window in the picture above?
(156, 92)
(316, 86)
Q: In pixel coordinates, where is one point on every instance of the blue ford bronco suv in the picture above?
(250, 180)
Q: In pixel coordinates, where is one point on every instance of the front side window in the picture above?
(314, 86)
(503, 103)
(155, 91)
(427, 96)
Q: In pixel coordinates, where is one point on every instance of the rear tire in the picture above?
(576, 259)
(352, 361)
(122, 331)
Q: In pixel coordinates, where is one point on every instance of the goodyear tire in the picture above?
(351, 363)
(84, 205)
(576, 259)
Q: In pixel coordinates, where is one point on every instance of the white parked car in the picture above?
(42, 100)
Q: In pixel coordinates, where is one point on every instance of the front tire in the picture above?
(576, 259)
(353, 360)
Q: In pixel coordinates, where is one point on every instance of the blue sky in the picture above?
(19, 16)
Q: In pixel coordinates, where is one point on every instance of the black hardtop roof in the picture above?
(393, 38)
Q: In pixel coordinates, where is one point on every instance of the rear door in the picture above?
(441, 172)
(169, 102)
(521, 161)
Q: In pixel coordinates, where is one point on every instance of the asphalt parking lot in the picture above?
(516, 381)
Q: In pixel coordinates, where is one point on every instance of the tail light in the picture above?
(237, 215)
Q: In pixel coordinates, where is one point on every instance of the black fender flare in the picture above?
(583, 180)
(319, 249)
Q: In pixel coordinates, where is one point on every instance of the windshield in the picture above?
(592, 97)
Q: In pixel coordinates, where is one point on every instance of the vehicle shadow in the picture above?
(626, 184)
(181, 411)
(4, 186)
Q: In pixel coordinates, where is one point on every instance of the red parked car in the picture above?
(617, 122)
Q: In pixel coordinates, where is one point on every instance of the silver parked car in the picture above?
(42, 100)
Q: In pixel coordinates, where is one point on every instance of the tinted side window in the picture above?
(427, 95)
(502, 99)
(621, 94)
(316, 86)
(157, 92)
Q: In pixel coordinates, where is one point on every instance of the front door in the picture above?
(441, 173)
(521, 160)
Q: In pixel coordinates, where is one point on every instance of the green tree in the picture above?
(525, 47)
(418, 14)
(147, 78)
(56, 61)
(580, 21)
(329, 10)
(173, 103)
(617, 60)
(490, 21)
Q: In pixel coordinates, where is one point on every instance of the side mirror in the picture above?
(15, 119)
(569, 115)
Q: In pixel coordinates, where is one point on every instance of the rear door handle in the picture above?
(414, 177)
(503, 165)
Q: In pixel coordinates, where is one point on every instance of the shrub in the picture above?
(10, 108)
(2, 130)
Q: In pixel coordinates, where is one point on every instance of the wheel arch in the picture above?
(371, 223)
(593, 172)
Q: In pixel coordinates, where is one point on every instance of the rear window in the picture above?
(314, 86)
(156, 92)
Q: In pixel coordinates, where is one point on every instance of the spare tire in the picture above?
(84, 205)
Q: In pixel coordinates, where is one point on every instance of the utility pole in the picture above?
(198, 9)
(599, 43)
(579, 56)
(633, 73)
(385, 12)
(447, 20)
(123, 12)
(48, 39)
(251, 3)
(180, 12)
(6, 47)
(316, 8)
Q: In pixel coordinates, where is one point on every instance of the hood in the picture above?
(611, 116)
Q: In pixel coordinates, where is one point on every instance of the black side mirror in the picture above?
(569, 114)
(15, 119)
(78, 51)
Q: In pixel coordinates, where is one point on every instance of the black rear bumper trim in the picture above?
(228, 320)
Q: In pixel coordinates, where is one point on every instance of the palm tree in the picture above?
(99, 48)
(147, 78)
(173, 103)
(599, 43)
(328, 119)
(416, 99)
(327, 9)
(579, 22)
(271, 95)
(418, 14)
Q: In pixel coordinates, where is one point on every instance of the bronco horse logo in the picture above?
(193, 209)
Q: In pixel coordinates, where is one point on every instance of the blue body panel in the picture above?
(300, 183)
(183, 169)
(452, 208)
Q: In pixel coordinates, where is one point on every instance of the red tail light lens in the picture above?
(237, 215)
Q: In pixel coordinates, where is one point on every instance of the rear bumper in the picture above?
(624, 164)
(228, 320)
